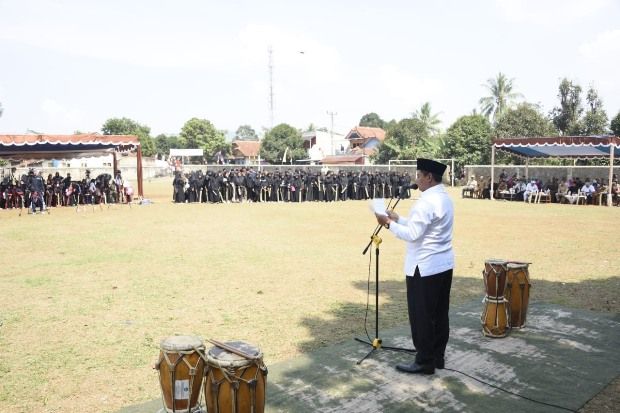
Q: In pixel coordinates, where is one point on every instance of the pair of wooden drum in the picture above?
(507, 285)
(232, 376)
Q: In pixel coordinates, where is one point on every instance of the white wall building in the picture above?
(321, 144)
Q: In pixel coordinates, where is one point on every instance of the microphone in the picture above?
(403, 189)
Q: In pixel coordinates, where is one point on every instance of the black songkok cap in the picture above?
(431, 166)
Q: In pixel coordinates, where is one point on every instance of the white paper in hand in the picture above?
(378, 206)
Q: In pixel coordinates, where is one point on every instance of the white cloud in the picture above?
(58, 112)
(551, 12)
(408, 88)
(606, 47)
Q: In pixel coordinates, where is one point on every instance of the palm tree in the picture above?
(501, 96)
(431, 121)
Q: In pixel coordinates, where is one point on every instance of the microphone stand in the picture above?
(377, 342)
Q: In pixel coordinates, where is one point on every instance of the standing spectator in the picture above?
(37, 187)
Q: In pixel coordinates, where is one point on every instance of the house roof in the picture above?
(247, 148)
(63, 146)
(561, 146)
(366, 133)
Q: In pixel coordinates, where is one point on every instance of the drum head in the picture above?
(181, 343)
(495, 261)
(516, 265)
(220, 357)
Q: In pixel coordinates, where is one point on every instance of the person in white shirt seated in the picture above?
(588, 190)
(530, 188)
(471, 187)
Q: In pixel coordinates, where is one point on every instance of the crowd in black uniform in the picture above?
(33, 191)
(287, 185)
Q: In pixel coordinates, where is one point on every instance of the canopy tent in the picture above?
(575, 147)
(20, 147)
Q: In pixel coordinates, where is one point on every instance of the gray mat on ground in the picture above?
(563, 357)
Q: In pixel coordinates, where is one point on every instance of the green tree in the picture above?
(430, 120)
(566, 116)
(615, 124)
(500, 97)
(200, 133)
(468, 141)
(372, 120)
(282, 139)
(525, 120)
(126, 126)
(163, 143)
(595, 120)
(246, 133)
(402, 141)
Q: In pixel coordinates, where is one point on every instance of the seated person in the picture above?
(588, 190)
(530, 189)
(36, 200)
(562, 191)
(512, 181)
(519, 190)
(600, 195)
(502, 188)
(471, 187)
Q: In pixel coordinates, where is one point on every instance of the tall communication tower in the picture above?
(271, 85)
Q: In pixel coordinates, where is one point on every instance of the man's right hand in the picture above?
(393, 215)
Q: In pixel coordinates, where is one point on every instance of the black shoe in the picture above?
(440, 363)
(415, 368)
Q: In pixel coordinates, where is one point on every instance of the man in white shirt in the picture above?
(531, 188)
(428, 266)
(588, 190)
(471, 187)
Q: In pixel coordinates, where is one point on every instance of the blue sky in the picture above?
(69, 65)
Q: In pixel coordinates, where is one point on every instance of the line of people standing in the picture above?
(287, 185)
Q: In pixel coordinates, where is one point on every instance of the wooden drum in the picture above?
(518, 292)
(495, 314)
(235, 379)
(495, 277)
(495, 317)
(181, 370)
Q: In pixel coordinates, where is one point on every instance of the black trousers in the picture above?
(428, 300)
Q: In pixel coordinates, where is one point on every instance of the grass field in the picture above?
(88, 296)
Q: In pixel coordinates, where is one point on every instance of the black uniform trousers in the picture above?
(428, 300)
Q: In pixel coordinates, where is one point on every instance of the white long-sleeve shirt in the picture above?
(428, 233)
